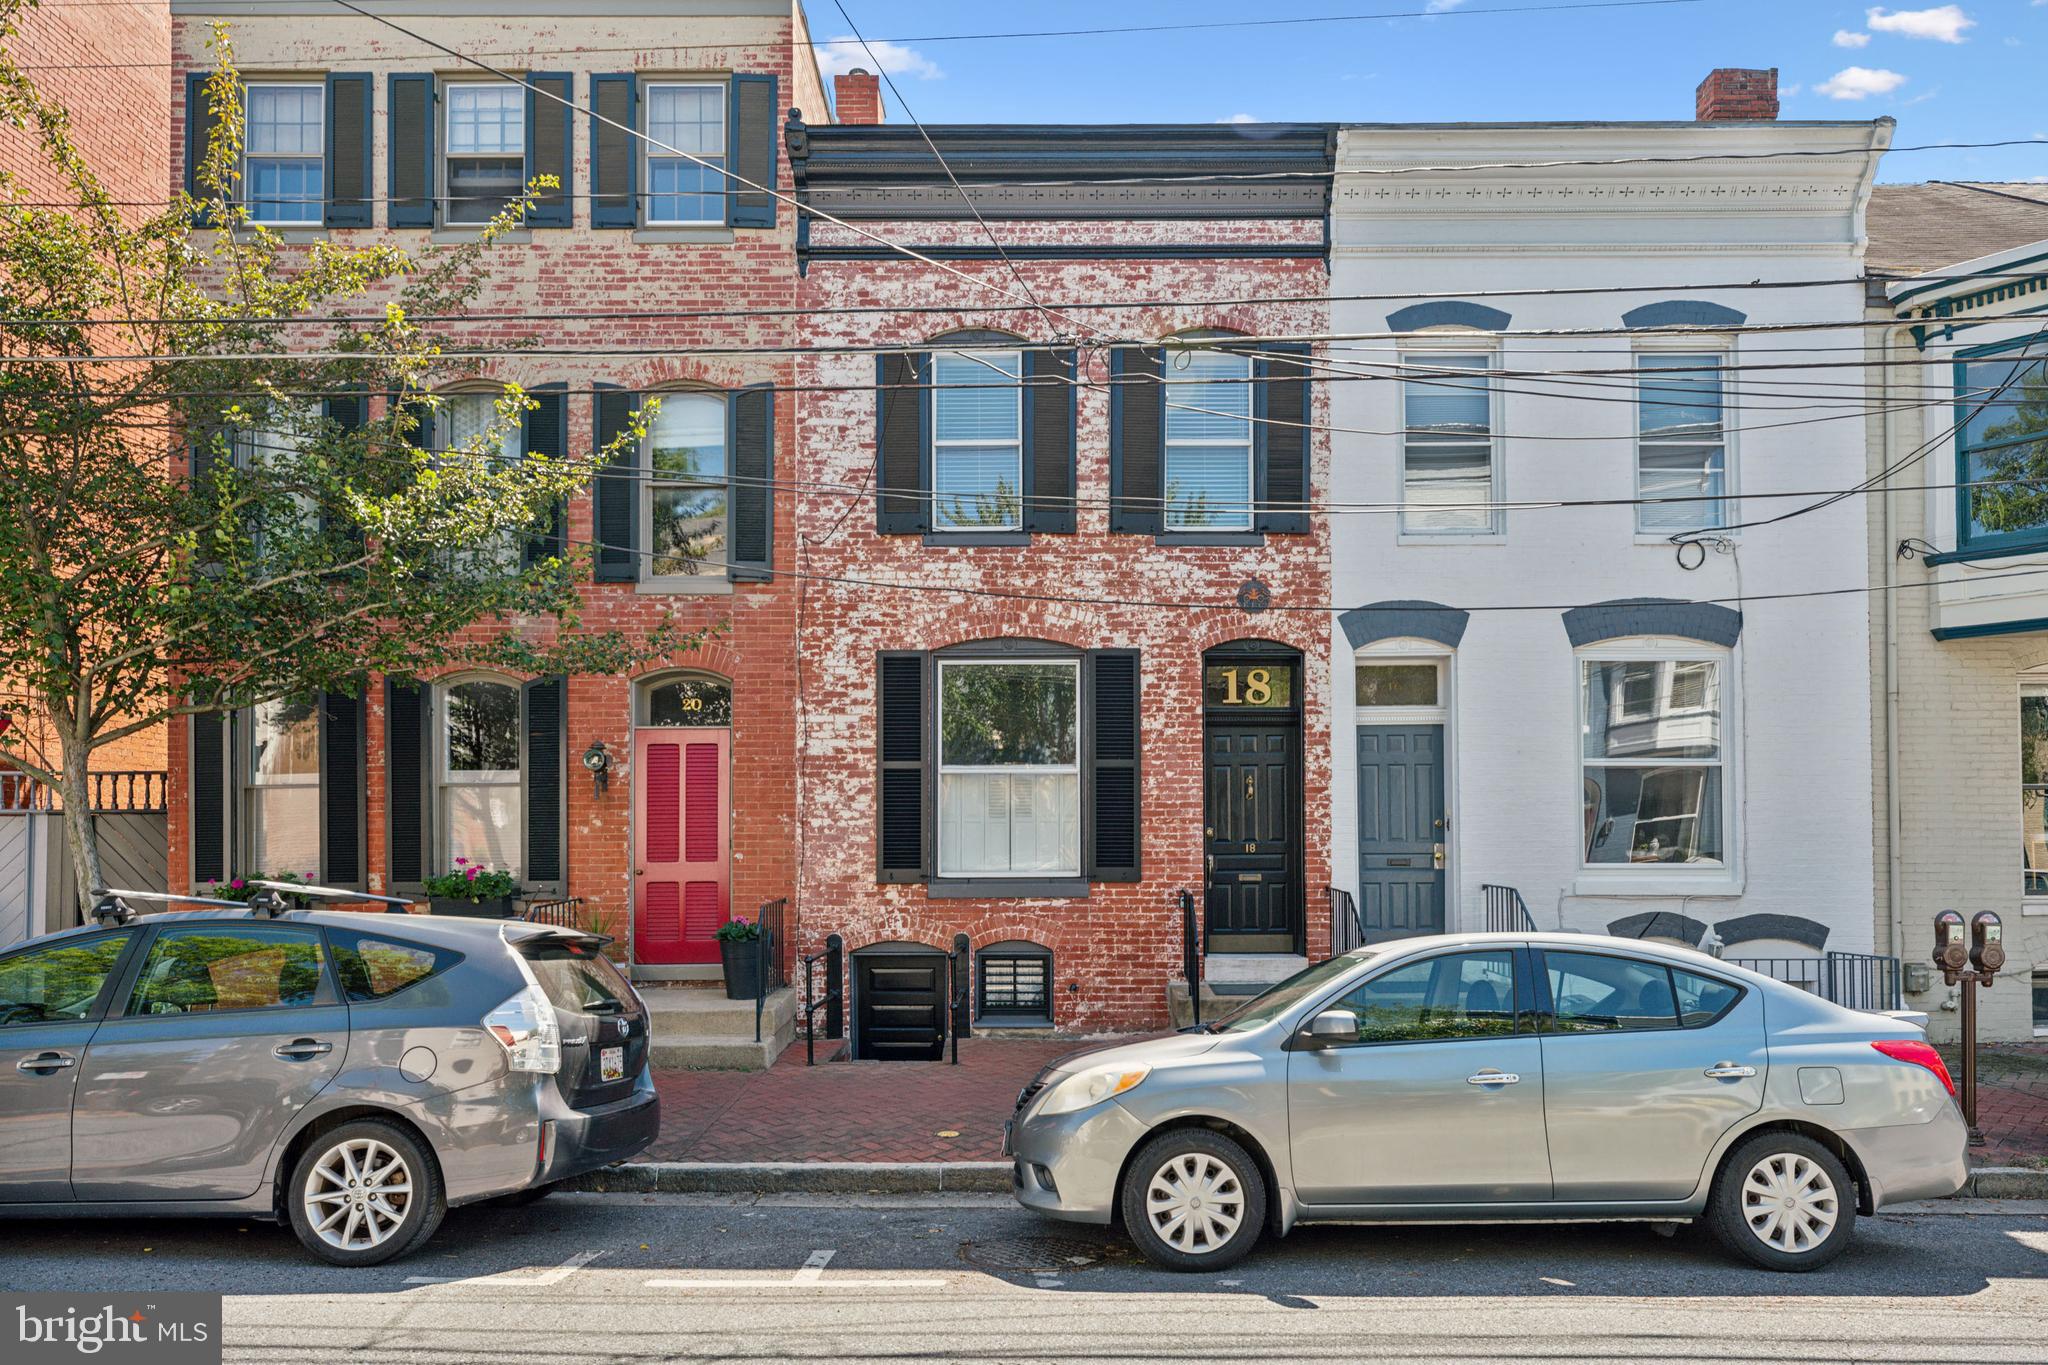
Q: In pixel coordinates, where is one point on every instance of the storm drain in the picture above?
(1049, 1253)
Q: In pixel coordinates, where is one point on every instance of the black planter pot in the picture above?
(742, 968)
(500, 908)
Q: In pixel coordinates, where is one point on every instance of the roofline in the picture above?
(1966, 277)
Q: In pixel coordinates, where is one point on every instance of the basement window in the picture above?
(1013, 986)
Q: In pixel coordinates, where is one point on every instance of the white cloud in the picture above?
(1241, 118)
(1859, 82)
(841, 55)
(1943, 23)
(1439, 6)
(1849, 38)
(1787, 91)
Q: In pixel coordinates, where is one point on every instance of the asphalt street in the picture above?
(590, 1278)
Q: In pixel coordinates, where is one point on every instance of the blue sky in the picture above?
(1968, 72)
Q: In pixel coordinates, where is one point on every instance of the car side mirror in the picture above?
(1330, 1028)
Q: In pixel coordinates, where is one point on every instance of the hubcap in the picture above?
(1789, 1202)
(359, 1194)
(1195, 1203)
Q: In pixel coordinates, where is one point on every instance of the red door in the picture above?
(682, 848)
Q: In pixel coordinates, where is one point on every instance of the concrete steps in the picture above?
(700, 1030)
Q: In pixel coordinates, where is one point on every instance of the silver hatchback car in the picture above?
(352, 1074)
(1495, 1078)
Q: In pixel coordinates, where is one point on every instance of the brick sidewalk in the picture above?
(900, 1111)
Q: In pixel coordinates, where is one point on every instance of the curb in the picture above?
(990, 1177)
(799, 1177)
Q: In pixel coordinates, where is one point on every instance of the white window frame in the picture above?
(1247, 520)
(319, 217)
(253, 784)
(713, 577)
(443, 781)
(2030, 685)
(650, 154)
(942, 769)
(447, 154)
(998, 359)
(1723, 877)
(1724, 349)
(1431, 350)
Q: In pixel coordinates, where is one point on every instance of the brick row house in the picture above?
(360, 134)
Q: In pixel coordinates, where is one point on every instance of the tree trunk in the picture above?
(79, 831)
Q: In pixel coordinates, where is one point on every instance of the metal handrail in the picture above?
(959, 973)
(834, 959)
(1191, 954)
(1506, 912)
(1347, 926)
(559, 913)
(765, 956)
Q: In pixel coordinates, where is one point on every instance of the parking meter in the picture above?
(1951, 952)
(1987, 944)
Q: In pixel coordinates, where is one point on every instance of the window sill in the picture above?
(1027, 1021)
(707, 585)
(943, 539)
(1007, 888)
(2026, 545)
(453, 236)
(1210, 538)
(1650, 885)
(699, 234)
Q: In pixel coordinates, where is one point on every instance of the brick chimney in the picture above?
(857, 96)
(1732, 93)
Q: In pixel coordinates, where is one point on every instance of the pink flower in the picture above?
(236, 883)
(471, 874)
(462, 862)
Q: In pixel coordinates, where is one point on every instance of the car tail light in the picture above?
(526, 1025)
(1919, 1054)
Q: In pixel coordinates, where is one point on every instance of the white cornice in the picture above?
(496, 9)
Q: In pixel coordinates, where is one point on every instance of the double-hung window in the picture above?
(1681, 445)
(977, 441)
(480, 774)
(2002, 450)
(1208, 476)
(686, 486)
(470, 425)
(1009, 768)
(1652, 762)
(281, 790)
(1448, 464)
(486, 140)
(685, 118)
(285, 154)
(268, 452)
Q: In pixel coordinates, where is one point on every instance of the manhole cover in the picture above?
(1034, 1253)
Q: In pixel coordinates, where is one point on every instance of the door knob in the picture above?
(1436, 855)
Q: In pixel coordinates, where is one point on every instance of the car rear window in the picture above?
(577, 976)
(374, 968)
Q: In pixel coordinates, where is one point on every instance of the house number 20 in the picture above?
(1257, 690)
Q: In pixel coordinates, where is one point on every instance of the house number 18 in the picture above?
(1257, 687)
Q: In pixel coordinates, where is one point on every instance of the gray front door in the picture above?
(1400, 830)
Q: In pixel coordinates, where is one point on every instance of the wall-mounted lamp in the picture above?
(598, 760)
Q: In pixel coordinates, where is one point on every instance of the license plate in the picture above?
(611, 1064)
(1006, 1137)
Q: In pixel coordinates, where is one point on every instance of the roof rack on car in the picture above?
(112, 907)
(272, 902)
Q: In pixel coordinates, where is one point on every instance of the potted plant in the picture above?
(472, 889)
(244, 889)
(739, 947)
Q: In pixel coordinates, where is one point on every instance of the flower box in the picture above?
(497, 907)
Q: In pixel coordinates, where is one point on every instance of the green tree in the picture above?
(186, 524)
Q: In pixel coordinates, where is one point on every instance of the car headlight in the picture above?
(1092, 1086)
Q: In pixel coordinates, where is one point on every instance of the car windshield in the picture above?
(1261, 1010)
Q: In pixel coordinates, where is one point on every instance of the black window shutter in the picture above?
(617, 503)
(409, 807)
(614, 160)
(752, 143)
(547, 436)
(750, 415)
(1050, 378)
(199, 126)
(550, 132)
(209, 797)
(903, 422)
(341, 791)
(1113, 765)
(1282, 438)
(1137, 441)
(545, 705)
(410, 150)
(347, 412)
(903, 806)
(348, 149)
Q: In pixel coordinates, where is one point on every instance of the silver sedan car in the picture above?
(1495, 1078)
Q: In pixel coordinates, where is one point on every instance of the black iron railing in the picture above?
(566, 913)
(117, 791)
(1347, 930)
(959, 979)
(1505, 911)
(768, 956)
(1191, 954)
(1861, 981)
(832, 1001)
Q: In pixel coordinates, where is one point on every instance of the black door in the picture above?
(1400, 830)
(900, 1007)
(1253, 820)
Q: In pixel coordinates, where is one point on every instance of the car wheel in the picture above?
(1194, 1200)
(1784, 1202)
(364, 1194)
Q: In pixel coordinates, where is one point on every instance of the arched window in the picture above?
(684, 508)
(1208, 474)
(694, 699)
(479, 771)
